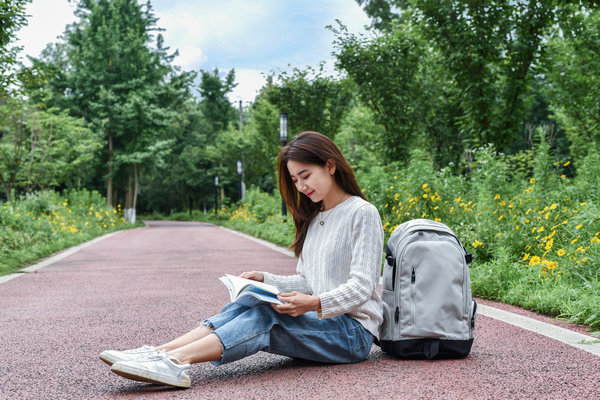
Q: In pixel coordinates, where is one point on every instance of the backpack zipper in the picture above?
(413, 291)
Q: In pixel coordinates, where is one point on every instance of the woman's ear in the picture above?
(331, 166)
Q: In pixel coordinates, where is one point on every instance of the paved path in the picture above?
(151, 284)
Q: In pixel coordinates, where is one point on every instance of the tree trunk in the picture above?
(130, 198)
(135, 186)
(222, 189)
(109, 183)
(7, 193)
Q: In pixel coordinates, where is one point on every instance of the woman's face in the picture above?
(312, 180)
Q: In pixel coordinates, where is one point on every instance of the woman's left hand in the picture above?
(297, 303)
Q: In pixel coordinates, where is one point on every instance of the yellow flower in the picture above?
(532, 180)
(560, 252)
(578, 226)
(549, 244)
(567, 163)
(476, 244)
(541, 229)
(553, 206)
(496, 197)
(551, 265)
(526, 256)
(535, 260)
(424, 186)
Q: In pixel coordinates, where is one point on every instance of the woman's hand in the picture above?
(297, 303)
(254, 275)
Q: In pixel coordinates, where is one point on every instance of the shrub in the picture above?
(38, 224)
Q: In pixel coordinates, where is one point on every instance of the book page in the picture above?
(238, 284)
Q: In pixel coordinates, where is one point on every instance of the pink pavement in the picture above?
(149, 285)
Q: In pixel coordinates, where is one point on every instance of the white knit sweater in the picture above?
(341, 263)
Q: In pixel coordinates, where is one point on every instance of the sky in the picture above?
(254, 37)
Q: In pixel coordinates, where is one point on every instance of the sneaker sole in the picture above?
(148, 376)
(109, 359)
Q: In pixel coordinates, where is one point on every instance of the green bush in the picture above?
(39, 224)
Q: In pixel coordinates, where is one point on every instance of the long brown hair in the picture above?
(311, 148)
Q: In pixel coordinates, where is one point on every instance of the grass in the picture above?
(43, 223)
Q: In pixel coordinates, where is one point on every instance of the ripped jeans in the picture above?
(244, 331)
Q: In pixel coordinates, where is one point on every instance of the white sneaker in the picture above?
(157, 368)
(112, 356)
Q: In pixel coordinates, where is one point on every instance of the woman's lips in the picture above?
(310, 194)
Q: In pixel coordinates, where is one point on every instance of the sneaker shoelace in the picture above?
(143, 349)
(161, 355)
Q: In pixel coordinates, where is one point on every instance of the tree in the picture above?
(214, 104)
(573, 79)
(198, 152)
(41, 149)
(311, 100)
(388, 71)
(468, 67)
(12, 18)
(113, 72)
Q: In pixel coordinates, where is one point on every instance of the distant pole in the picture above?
(241, 117)
(216, 193)
(283, 139)
(240, 170)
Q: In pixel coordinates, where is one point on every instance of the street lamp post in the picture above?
(216, 193)
(283, 139)
(240, 171)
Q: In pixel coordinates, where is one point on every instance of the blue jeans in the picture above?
(244, 331)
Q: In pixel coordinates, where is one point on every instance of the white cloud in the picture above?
(249, 83)
(47, 21)
(190, 57)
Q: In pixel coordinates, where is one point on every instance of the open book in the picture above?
(249, 292)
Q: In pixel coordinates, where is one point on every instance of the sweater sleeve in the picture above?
(289, 283)
(367, 250)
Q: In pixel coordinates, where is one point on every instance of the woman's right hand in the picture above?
(254, 275)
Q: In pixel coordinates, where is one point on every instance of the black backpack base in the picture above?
(427, 349)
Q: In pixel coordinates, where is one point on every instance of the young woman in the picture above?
(332, 310)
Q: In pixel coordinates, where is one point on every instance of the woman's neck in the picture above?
(337, 196)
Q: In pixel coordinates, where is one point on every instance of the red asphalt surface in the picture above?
(149, 285)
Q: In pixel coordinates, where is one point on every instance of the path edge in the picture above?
(57, 257)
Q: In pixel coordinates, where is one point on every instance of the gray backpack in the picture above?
(427, 305)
